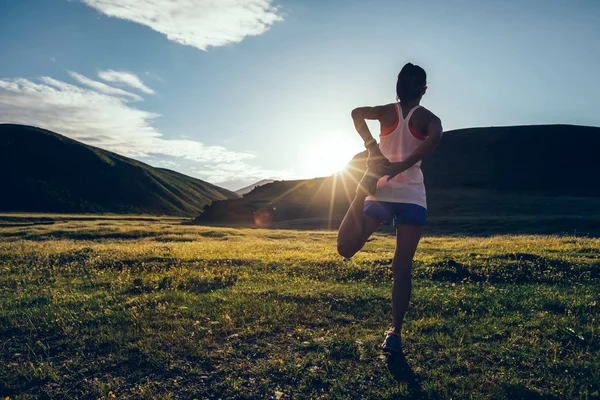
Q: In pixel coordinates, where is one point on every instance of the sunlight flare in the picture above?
(329, 154)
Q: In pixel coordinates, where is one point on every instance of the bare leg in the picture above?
(407, 239)
(356, 228)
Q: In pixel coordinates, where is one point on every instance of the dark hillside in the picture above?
(523, 179)
(247, 189)
(46, 172)
(553, 159)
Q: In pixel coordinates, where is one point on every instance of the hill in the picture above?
(47, 172)
(248, 189)
(521, 179)
(551, 159)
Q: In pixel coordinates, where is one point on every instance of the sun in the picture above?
(329, 154)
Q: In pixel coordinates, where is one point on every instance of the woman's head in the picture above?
(412, 83)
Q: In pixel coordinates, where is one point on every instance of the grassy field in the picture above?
(149, 308)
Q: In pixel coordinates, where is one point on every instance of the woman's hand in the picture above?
(397, 168)
(375, 157)
(377, 163)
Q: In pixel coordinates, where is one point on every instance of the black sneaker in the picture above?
(392, 343)
(368, 183)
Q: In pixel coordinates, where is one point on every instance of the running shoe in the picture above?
(392, 343)
(368, 183)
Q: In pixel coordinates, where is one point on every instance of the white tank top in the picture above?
(396, 144)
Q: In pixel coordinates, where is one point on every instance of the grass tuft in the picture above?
(149, 308)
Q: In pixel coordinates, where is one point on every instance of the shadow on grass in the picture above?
(403, 373)
(520, 392)
(520, 268)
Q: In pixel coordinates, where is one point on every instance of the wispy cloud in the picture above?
(103, 116)
(102, 87)
(154, 76)
(126, 78)
(198, 23)
(239, 171)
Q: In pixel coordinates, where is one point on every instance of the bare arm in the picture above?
(360, 115)
(434, 136)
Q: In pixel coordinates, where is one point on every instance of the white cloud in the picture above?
(198, 23)
(105, 118)
(102, 87)
(239, 170)
(154, 76)
(126, 78)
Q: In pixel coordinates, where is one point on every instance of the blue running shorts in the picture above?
(396, 213)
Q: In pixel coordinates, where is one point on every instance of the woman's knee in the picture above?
(347, 249)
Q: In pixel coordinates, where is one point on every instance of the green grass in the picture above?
(117, 308)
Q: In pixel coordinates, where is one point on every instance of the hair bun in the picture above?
(411, 80)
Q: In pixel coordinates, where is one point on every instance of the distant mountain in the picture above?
(248, 189)
(482, 178)
(43, 171)
(553, 159)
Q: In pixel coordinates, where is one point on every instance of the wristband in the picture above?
(370, 143)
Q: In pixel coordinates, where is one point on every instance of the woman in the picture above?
(392, 189)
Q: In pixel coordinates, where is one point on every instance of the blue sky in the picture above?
(240, 90)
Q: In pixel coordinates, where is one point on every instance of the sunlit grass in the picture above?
(155, 309)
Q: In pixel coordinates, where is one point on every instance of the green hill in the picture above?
(551, 159)
(522, 179)
(43, 171)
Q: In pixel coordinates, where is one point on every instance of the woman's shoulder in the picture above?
(421, 118)
(389, 114)
(391, 108)
(424, 115)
